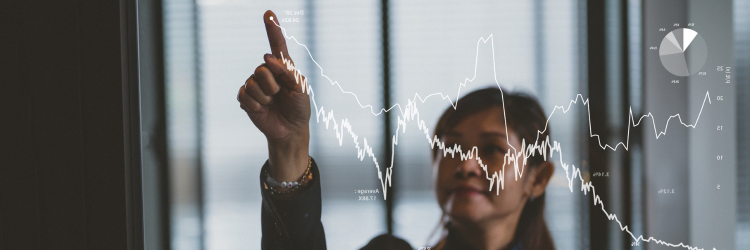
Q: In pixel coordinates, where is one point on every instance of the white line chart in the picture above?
(410, 113)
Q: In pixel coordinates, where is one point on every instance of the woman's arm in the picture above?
(292, 221)
(279, 106)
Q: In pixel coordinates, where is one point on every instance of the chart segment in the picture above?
(683, 52)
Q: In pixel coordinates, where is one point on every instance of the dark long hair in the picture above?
(525, 117)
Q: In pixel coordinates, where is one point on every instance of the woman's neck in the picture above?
(493, 234)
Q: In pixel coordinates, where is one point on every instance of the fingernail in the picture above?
(262, 110)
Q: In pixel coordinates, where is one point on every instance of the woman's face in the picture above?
(462, 187)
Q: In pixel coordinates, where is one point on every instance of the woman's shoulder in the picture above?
(387, 241)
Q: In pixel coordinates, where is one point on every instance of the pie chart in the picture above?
(683, 52)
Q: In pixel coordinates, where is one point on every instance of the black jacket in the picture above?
(293, 221)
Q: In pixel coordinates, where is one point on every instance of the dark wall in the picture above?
(69, 174)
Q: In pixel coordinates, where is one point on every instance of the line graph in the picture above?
(409, 112)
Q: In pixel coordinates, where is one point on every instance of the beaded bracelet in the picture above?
(271, 183)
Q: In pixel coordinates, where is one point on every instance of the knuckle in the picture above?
(245, 101)
(255, 108)
(264, 100)
(249, 84)
(275, 88)
(261, 69)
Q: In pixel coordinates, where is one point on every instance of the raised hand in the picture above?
(279, 107)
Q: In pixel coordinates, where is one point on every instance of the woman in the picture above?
(474, 217)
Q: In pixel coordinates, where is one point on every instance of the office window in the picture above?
(212, 46)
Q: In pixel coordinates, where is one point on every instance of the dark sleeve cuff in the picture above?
(292, 222)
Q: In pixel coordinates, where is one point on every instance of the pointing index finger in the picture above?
(275, 37)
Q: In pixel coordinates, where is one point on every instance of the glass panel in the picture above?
(437, 46)
(348, 50)
(232, 44)
(215, 151)
(346, 45)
